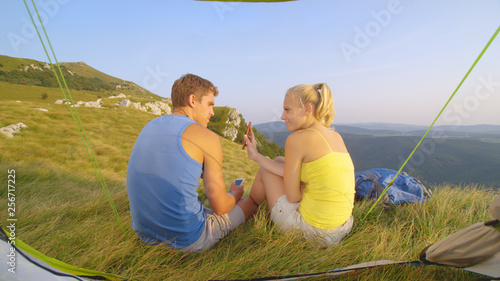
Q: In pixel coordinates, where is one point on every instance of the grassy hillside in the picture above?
(63, 212)
(78, 76)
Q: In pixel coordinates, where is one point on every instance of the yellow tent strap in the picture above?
(418, 144)
(74, 112)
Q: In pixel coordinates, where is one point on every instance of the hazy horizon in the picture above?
(389, 123)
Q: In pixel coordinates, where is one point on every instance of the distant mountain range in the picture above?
(449, 154)
(389, 129)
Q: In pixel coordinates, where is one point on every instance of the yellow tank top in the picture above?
(328, 198)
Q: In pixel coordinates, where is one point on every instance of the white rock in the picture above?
(96, 104)
(63, 101)
(12, 129)
(159, 108)
(79, 103)
(125, 103)
(119, 96)
(232, 124)
(137, 105)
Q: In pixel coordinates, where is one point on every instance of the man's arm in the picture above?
(204, 146)
(220, 201)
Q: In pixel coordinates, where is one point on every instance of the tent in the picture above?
(475, 248)
(23, 263)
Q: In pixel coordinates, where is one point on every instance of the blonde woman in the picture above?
(311, 189)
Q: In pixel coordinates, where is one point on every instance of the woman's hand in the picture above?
(251, 145)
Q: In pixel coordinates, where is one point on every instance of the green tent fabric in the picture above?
(23, 263)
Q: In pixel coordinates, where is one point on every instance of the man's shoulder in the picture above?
(200, 134)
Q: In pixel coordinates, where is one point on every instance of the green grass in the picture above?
(63, 212)
(10, 63)
(85, 77)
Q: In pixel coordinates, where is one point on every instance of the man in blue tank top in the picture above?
(171, 154)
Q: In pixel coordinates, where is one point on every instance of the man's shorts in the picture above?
(287, 218)
(216, 228)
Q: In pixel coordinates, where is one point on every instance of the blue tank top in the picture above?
(162, 180)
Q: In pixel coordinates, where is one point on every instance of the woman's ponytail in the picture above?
(324, 110)
(320, 96)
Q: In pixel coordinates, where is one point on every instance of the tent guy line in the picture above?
(437, 117)
(74, 114)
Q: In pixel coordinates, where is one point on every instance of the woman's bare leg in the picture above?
(267, 186)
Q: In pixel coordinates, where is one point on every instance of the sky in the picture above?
(395, 61)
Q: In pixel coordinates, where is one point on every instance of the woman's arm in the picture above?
(294, 149)
(263, 161)
(290, 170)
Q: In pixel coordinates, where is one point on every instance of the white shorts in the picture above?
(216, 228)
(286, 217)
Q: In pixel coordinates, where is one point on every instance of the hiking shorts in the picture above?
(287, 218)
(216, 228)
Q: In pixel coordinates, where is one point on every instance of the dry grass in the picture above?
(63, 212)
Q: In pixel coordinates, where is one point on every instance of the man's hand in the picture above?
(236, 191)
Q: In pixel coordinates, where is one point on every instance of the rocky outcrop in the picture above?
(119, 96)
(96, 104)
(134, 105)
(63, 101)
(159, 108)
(10, 130)
(232, 124)
(156, 107)
(32, 66)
